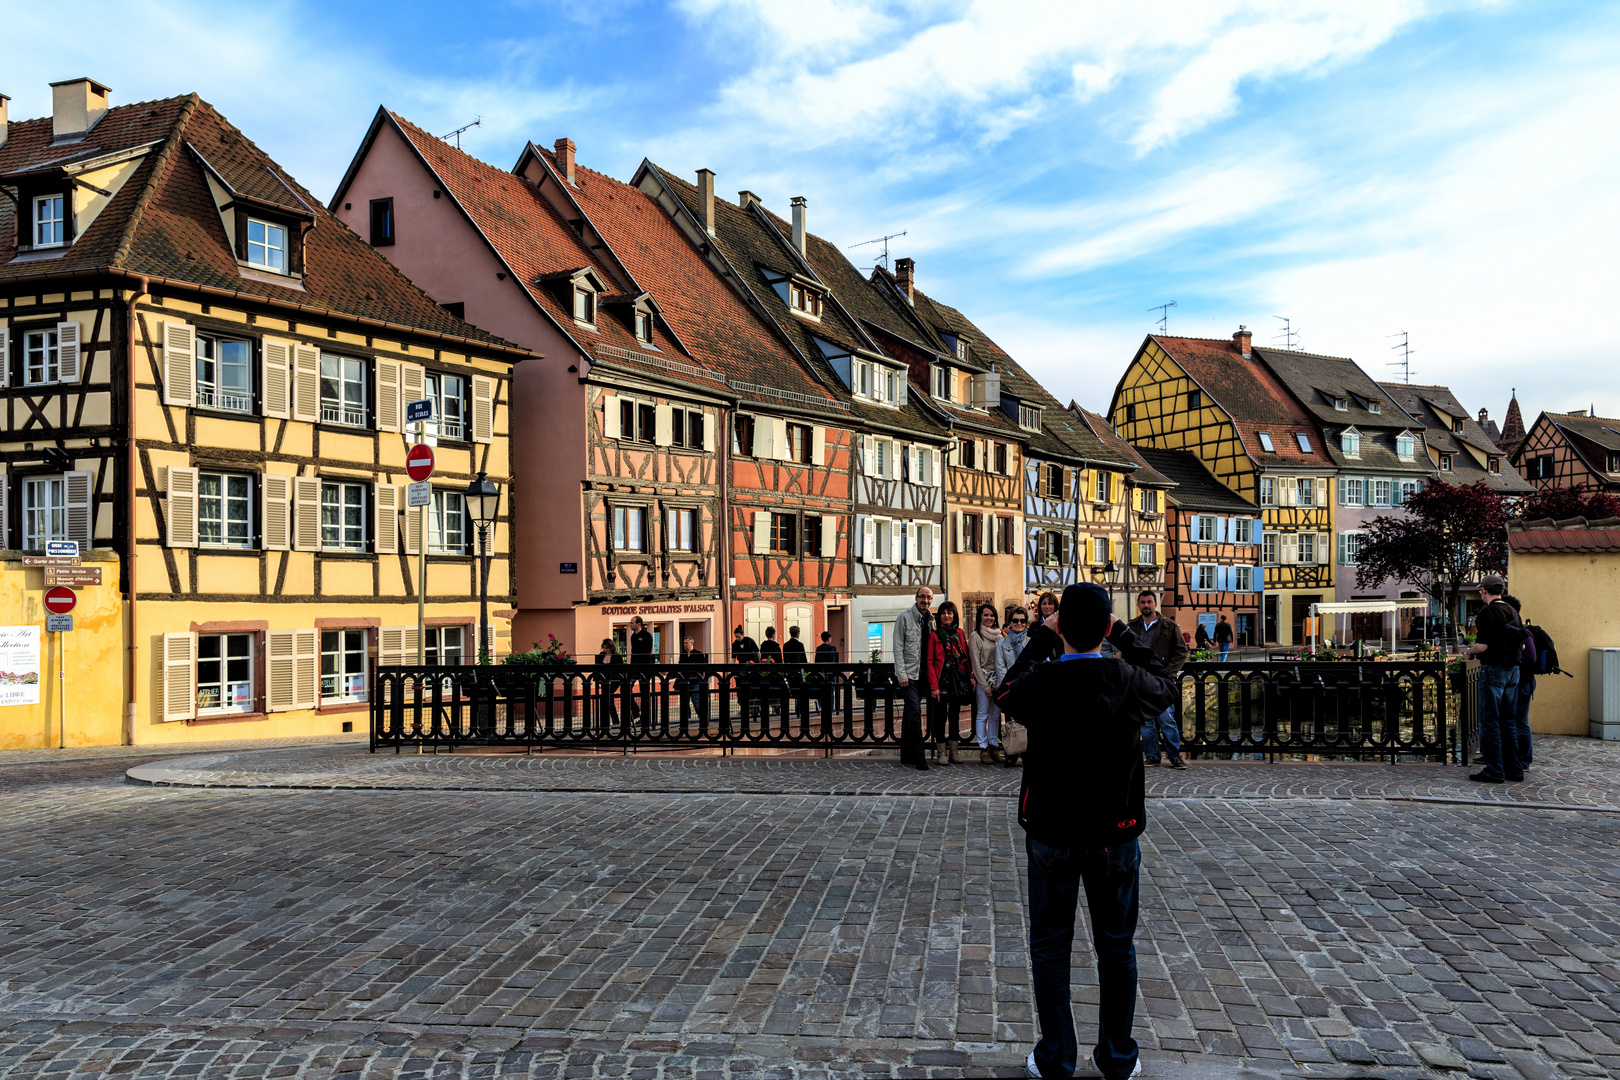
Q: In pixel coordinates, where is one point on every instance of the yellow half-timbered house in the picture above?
(205, 375)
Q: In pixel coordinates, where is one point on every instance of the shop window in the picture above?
(343, 666)
(224, 673)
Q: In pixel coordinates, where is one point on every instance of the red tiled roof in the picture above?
(1573, 535)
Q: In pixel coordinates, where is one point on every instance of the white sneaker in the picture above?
(1029, 1065)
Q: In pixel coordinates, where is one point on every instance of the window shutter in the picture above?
(306, 383)
(957, 522)
(179, 362)
(708, 432)
(181, 505)
(389, 410)
(280, 671)
(1224, 527)
(306, 513)
(385, 519)
(937, 456)
(5, 503)
(610, 417)
(413, 529)
(412, 387)
(275, 363)
(762, 532)
(81, 509)
(1342, 538)
(895, 528)
(779, 440)
(1324, 549)
(829, 534)
(179, 677)
(818, 446)
(1136, 499)
(1065, 549)
(868, 539)
(274, 494)
(5, 356)
(391, 647)
(483, 409)
(867, 445)
(939, 539)
(307, 657)
(661, 425)
(67, 353)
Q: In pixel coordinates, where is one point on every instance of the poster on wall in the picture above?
(19, 665)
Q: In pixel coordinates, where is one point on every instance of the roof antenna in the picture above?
(456, 134)
(1405, 362)
(884, 240)
(1289, 335)
(1164, 315)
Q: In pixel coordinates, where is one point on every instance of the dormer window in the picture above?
(1266, 444)
(942, 382)
(584, 306)
(1341, 404)
(267, 245)
(1374, 407)
(644, 325)
(1350, 443)
(1493, 464)
(50, 221)
(1457, 424)
(961, 349)
(1446, 462)
(1405, 446)
(804, 300)
(1029, 418)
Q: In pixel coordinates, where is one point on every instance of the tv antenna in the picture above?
(1405, 362)
(1289, 335)
(456, 134)
(884, 240)
(1164, 315)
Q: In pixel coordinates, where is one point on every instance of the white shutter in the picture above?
(933, 552)
(779, 440)
(306, 513)
(181, 507)
(708, 431)
(5, 360)
(818, 446)
(413, 529)
(412, 387)
(275, 364)
(179, 677)
(829, 534)
(281, 671)
(610, 417)
(895, 450)
(868, 454)
(275, 493)
(1324, 546)
(868, 529)
(957, 518)
(894, 543)
(391, 647)
(81, 509)
(762, 532)
(661, 425)
(385, 518)
(1014, 534)
(307, 657)
(937, 455)
(306, 383)
(483, 409)
(390, 411)
(5, 502)
(67, 353)
(179, 362)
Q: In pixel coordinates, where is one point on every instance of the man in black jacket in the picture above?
(826, 652)
(744, 650)
(695, 689)
(1082, 809)
(1500, 648)
(793, 648)
(1164, 638)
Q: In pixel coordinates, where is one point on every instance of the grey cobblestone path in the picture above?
(186, 932)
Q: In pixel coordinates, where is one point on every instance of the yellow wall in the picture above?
(1572, 597)
(95, 660)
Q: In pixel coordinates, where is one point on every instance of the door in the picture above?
(1302, 611)
(1270, 613)
(838, 627)
(1367, 626)
(699, 633)
(1245, 631)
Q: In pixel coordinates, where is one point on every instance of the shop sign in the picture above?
(698, 608)
(19, 665)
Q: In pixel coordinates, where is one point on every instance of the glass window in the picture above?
(782, 534)
(1408, 489)
(1304, 441)
(343, 516)
(1405, 446)
(1206, 529)
(1374, 407)
(224, 510)
(1350, 544)
(1029, 418)
(925, 466)
(1195, 400)
(863, 379)
(805, 300)
(1446, 462)
(1382, 490)
(680, 530)
(1350, 491)
(742, 435)
(446, 646)
(629, 528)
(343, 391)
(44, 509)
(1001, 458)
(1307, 547)
(224, 374)
(49, 221)
(1266, 444)
(449, 395)
(267, 246)
(447, 523)
(1243, 578)
(1341, 404)
(798, 442)
(881, 454)
(1150, 501)
(382, 222)
(343, 666)
(880, 538)
(891, 385)
(39, 357)
(1350, 443)
(1100, 485)
(1494, 464)
(812, 534)
(1268, 491)
(584, 306)
(960, 347)
(1144, 555)
(1307, 491)
(1268, 548)
(224, 673)
(1243, 530)
(1206, 579)
(1099, 550)
(644, 327)
(942, 382)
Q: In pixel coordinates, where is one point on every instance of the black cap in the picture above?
(1083, 613)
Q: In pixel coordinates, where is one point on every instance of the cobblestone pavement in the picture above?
(189, 932)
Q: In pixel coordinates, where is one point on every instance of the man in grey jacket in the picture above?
(1164, 638)
(910, 628)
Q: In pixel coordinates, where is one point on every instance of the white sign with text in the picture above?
(19, 665)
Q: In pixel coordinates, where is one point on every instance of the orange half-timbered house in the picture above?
(1570, 450)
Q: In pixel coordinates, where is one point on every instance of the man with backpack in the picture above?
(1500, 648)
(1540, 658)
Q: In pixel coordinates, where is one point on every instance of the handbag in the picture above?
(1014, 736)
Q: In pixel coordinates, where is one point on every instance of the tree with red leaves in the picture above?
(1560, 503)
(1450, 536)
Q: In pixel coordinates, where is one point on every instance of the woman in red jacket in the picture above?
(950, 681)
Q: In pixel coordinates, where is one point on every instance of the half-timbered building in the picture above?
(1458, 449)
(1134, 527)
(1570, 450)
(1215, 398)
(204, 372)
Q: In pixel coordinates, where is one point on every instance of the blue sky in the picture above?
(1447, 169)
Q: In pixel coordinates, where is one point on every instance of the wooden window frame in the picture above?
(62, 223)
(252, 502)
(744, 424)
(615, 533)
(784, 534)
(287, 234)
(694, 532)
(366, 661)
(342, 547)
(385, 236)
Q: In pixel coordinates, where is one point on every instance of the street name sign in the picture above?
(419, 462)
(419, 410)
(62, 549)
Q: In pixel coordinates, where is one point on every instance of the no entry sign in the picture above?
(419, 462)
(60, 600)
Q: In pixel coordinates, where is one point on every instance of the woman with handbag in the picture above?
(986, 714)
(1013, 640)
(950, 681)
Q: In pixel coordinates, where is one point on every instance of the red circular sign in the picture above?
(419, 462)
(60, 600)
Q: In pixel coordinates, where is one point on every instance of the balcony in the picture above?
(209, 397)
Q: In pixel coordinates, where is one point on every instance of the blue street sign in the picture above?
(62, 549)
(418, 411)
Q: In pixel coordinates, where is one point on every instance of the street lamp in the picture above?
(483, 498)
(1111, 575)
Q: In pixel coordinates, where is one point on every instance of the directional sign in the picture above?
(62, 549)
(41, 560)
(419, 462)
(56, 624)
(72, 576)
(417, 411)
(60, 600)
(419, 494)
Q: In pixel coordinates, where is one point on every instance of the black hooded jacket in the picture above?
(1083, 772)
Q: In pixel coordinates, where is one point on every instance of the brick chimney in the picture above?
(1484, 416)
(706, 199)
(744, 197)
(565, 159)
(905, 270)
(1242, 339)
(76, 105)
(798, 223)
(4, 126)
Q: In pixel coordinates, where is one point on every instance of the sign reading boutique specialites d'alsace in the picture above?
(660, 609)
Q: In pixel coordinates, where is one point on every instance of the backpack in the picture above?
(1545, 660)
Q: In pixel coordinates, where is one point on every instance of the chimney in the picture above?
(1577, 412)
(706, 199)
(798, 223)
(76, 105)
(904, 271)
(564, 150)
(1484, 416)
(1242, 339)
(4, 100)
(744, 197)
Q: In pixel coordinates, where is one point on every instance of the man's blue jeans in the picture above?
(1110, 877)
(1527, 690)
(1498, 721)
(1165, 722)
(1225, 647)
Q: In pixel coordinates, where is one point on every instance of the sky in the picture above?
(1364, 169)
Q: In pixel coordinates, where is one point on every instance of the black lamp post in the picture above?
(483, 498)
(1110, 575)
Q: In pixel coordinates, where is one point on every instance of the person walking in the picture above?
(1527, 690)
(641, 642)
(1164, 638)
(607, 714)
(1200, 638)
(1499, 647)
(911, 626)
(695, 695)
(982, 656)
(744, 650)
(1082, 811)
(770, 651)
(950, 683)
(793, 648)
(793, 656)
(826, 652)
(1223, 638)
(1012, 643)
